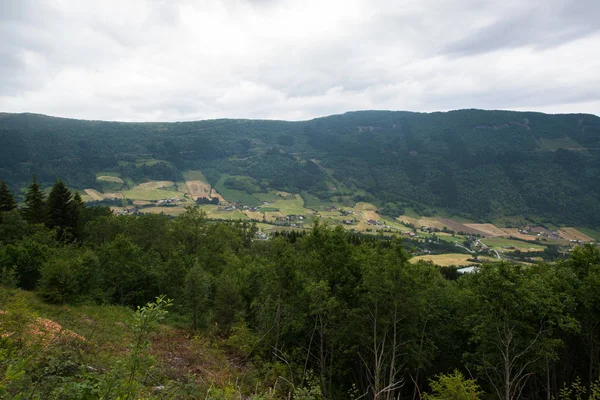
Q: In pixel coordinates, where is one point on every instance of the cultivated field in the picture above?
(114, 196)
(573, 234)
(198, 189)
(423, 221)
(213, 194)
(458, 227)
(156, 184)
(140, 193)
(367, 210)
(165, 210)
(504, 243)
(94, 194)
(489, 229)
(516, 234)
(445, 260)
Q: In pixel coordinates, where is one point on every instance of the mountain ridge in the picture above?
(480, 163)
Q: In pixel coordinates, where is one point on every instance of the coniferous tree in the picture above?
(35, 204)
(62, 213)
(7, 200)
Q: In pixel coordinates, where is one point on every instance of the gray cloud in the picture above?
(541, 25)
(288, 59)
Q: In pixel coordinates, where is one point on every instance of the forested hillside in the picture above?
(325, 314)
(482, 164)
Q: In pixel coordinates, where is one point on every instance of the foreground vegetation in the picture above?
(95, 305)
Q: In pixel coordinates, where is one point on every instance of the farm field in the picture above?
(488, 229)
(166, 210)
(515, 233)
(458, 227)
(197, 189)
(573, 234)
(156, 184)
(94, 194)
(500, 243)
(281, 204)
(234, 195)
(141, 193)
(591, 233)
(449, 259)
(445, 260)
(429, 222)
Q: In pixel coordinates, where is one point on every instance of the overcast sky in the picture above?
(138, 60)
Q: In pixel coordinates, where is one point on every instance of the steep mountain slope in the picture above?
(480, 163)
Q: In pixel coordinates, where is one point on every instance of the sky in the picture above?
(178, 60)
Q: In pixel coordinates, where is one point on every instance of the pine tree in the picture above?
(7, 200)
(35, 204)
(62, 211)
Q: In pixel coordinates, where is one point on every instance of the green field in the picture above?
(291, 206)
(313, 202)
(590, 232)
(500, 242)
(267, 196)
(234, 195)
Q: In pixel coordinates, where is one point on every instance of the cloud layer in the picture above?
(149, 60)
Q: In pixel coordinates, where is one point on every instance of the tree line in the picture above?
(323, 314)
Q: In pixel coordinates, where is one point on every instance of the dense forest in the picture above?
(482, 164)
(321, 315)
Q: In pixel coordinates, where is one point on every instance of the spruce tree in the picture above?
(35, 204)
(62, 213)
(7, 200)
